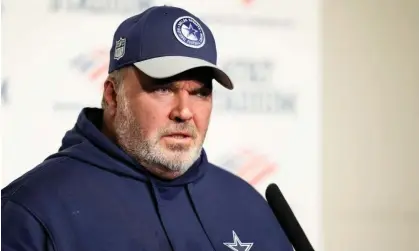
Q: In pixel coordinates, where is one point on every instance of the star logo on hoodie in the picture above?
(237, 245)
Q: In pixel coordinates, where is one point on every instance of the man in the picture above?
(133, 175)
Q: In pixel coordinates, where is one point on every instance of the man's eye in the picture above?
(203, 93)
(163, 90)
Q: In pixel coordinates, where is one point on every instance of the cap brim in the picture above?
(169, 66)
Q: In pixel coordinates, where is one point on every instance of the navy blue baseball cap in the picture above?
(164, 41)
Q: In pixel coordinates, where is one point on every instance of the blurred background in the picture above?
(326, 102)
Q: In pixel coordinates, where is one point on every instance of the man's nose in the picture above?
(182, 110)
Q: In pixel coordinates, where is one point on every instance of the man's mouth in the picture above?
(179, 135)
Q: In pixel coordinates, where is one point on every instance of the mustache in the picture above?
(184, 127)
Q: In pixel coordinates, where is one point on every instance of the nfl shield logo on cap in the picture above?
(119, 48)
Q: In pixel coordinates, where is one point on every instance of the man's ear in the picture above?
(109, 96)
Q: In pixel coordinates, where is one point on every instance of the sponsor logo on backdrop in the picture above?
(247, 2)
(5, 91)
(257, 92)
(129, 7)
(251, 166)
(100, 6)
(92, 65)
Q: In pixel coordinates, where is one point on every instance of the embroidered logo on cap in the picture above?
(189, 32)
(119, 48)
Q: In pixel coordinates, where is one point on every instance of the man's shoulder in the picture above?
(43, 182)
(224, 174)
(226, 179)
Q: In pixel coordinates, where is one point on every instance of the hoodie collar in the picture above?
(88, 130)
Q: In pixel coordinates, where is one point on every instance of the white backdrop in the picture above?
(54, 60)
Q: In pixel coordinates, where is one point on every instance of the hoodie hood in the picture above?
(85, 142)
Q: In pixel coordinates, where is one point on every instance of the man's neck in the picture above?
(162, 172)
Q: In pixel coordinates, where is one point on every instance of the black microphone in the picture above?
(286, 219)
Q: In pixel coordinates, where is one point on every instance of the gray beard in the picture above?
(132, 139)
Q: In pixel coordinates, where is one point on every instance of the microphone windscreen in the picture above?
(286, 219)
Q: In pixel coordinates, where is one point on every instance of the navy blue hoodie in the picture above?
(92, 196)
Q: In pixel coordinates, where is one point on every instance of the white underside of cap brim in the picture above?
(169, 66)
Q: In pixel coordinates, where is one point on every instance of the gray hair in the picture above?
(117, 77)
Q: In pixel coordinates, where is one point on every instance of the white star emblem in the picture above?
(237, 245)
(191, 30)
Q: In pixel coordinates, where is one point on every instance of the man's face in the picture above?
(164, 122)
